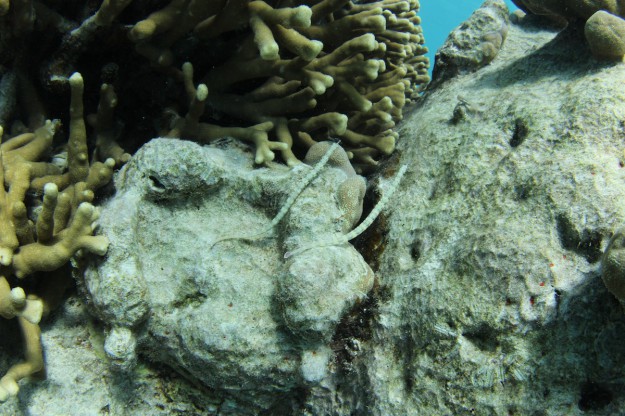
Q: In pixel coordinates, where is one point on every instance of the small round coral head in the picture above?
(6, 256)
(605, 34)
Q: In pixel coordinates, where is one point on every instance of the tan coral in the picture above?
(63, 226)
(32, 363)
(191, 127)
(273, 66)
(350, 67)
(13, 302)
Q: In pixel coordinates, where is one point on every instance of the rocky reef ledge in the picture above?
(487, 297)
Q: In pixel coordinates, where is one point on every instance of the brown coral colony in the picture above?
(281, 78)
(604, 26)
(334, 69)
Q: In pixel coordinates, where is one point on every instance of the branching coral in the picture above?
(63, 225)
(354, 88)
(331, 69)
(283, 75)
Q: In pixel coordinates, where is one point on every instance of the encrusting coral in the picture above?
(604, 27)
(63, 225)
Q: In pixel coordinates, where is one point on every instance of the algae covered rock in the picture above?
(605, 34)
(495, 302)
(474, 43)
(193, 281)
(489, 297)
(613, 266)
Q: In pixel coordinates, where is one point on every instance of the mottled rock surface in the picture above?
(494, 304)
(473, 44)
(489, 298)
(189, 282)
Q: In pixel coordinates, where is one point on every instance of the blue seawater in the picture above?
(439, 17)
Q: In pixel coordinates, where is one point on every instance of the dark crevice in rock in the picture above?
(586, 243)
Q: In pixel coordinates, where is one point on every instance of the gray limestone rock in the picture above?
(493, 299)
(613, 266)
(474, 43)
(192, 284)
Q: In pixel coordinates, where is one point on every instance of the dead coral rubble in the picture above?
(43, 235)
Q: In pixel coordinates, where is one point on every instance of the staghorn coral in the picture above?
(190, 126)
(285, 74)
(62, 226)
(605, 24)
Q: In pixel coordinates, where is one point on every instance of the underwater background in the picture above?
(181, 233)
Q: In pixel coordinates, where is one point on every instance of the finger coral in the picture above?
(281, 75)
(44, 235)
(331, 69)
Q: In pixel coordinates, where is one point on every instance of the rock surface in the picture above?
(191, 282)
(494, 303)
(488, 300)
(473, 44)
